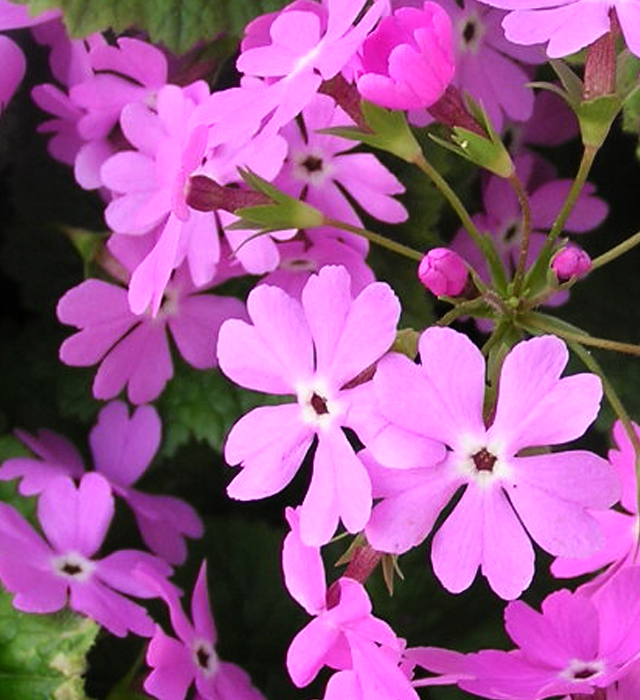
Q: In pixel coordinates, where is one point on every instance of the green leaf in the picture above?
(43, 657)
(179, 24)
(203, 406)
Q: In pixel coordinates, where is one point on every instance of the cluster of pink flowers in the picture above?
(403, 445)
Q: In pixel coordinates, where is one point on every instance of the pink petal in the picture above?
(203, 623)
(401, 522)
(141, 360)
(559, 527)
(456, 551)
(303, 568)
(535, 407)
(307, 651)
(115, 612)
(507, 554)
(123, 447)
(13, 69)
(271, 442)
(196, 326)
(173, 668)
(83, 523)
(115, 570)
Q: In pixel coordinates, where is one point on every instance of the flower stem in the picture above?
(483, 242)
(376, 238)
(612, 397)
(525, 207)
(588, 156)
(616, 251)
(539, 322)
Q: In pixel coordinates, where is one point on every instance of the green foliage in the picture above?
(42, 657)
(203, 406)
(178, 24)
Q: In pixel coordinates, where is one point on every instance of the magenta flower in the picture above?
(13, 69)
(621, 527)
(570, 262)
(581, 646)
(45, 574)
(343, 635)
(508, 498)
(311, 349)
(122, 448)
(133, 349)
(407, 61)
(568, 25)
(294, 51)
(443, 272)
(191, 658)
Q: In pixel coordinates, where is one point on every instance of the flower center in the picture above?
(578, 670)
(312, 164)
(205, 657)
(484, 460)
(471, 31)
(319, 405)
(319, 409)
(73, 566)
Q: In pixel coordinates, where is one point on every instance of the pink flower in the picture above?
(13, 69)
(569, 25)
(286, 57)
(191, 658)
(44, 573)
(407, 61)
(443, 272)
(320, 168)
(621, 527)
(344, 634)
(300, 259)
(508, 498)
(570, 262)
(578, 645)
(122, 448)
(133, 349)
(311, 349)
(488, 67)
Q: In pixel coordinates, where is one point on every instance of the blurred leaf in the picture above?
(43, 657)
(203, 406)
(179, 24)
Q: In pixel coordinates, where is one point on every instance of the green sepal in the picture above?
(486, 151)
(87, 243)
(596, 117)
(406, 342)
(284, 212)
(389, 131)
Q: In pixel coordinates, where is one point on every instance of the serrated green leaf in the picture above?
(43, 657)
(178, 24)
(203, 406)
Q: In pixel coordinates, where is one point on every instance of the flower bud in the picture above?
(443, 272)
(408, 61)
(570, 262)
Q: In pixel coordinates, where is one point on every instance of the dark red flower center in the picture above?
(484, 460)
(319, 405)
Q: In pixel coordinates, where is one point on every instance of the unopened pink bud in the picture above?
(408, 61)
(443, 272)
(570, 262)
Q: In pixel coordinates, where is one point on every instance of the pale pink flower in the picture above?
(568, 25)
(311, 349)
(508, 497)
(46, 574)
(343, 635)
